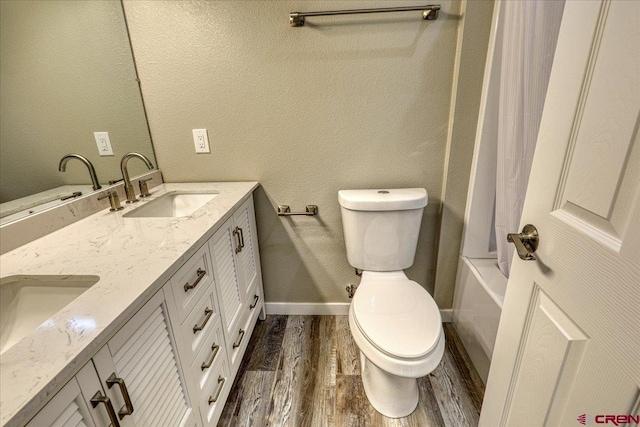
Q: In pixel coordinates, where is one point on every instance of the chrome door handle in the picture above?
(526, 242)
(208, 312)
(215, 347)
(127, 409)
(201, 273)
(99, 398)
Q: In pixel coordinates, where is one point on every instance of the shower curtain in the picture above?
(530, 32)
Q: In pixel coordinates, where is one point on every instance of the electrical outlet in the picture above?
(201, 140)
(103, 143)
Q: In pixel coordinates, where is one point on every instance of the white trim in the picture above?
(299, 308)
(446, 314)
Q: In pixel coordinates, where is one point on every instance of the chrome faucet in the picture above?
(128, 187)
(94, 178)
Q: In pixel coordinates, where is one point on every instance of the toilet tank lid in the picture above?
(397, 199)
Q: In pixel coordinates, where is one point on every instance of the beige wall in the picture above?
(66, 72)
(352, 102)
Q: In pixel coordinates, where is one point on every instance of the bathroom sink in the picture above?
(173, 204)
(28, 301)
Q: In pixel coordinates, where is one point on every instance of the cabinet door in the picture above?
(247, 255)
(230, 296)
(141, 361)
(66, 409)
(72, 406)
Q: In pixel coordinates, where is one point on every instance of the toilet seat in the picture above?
(397, 316)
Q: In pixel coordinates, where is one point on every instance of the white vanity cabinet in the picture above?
(237, 295)
(216, 298)
(234, 250)
(173, 363)
(133, 380)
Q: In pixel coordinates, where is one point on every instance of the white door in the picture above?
(568, 346)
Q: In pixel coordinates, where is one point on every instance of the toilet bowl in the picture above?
(393, 320)
(398, 329)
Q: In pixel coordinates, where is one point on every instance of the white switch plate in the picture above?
(103, 143)
(201, 140)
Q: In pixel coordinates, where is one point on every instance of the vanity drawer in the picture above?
(238, 340)
(208, 359)
(198, 324)
(218, 390)
(192, 281)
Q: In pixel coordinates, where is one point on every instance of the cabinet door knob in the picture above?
(127, 409)
(241, 238)
(99, 398)
(237, 232)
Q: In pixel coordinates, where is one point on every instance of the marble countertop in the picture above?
(16, 209)
(133, 257)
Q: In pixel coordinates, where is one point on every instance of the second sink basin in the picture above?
(27, 301)
(172, 204)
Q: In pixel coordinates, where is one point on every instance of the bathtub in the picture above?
(477, 305)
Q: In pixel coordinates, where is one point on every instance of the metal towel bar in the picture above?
(284, 210)
(429, 12)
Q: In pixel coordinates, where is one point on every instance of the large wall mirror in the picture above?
(66, 71)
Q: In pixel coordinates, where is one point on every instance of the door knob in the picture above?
(526, 242)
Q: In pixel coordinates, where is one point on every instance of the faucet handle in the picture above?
(114, 200)
(144, 188)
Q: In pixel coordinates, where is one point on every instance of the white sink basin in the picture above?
(172, 204)
(28, 301)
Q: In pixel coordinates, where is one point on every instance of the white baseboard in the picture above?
(317, 309)
(325, 309)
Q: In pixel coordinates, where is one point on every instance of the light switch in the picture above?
(201, 140)
(103, 143)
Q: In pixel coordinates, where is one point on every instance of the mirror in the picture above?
(67, 71)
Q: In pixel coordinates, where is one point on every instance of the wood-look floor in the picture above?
(305, 371)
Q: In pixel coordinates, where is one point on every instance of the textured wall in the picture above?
(66, 72)
(473, 42)
(344, 102)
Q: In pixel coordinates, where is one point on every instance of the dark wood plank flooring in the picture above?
(305, 371)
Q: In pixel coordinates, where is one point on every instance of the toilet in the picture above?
(394, 321)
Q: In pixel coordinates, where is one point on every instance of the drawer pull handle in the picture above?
(208, 312)
(127, 409)
(201, 274)
(215, 347)
(255, 302)
(236, 232)
(97, 399)
(237, 344)
(214, 399)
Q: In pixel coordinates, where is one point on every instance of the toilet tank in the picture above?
(381, 227)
